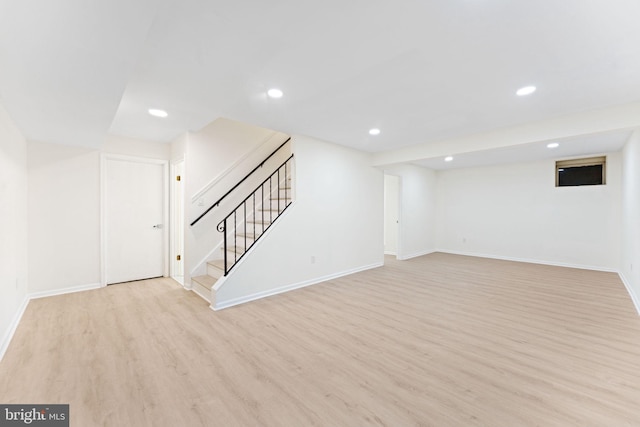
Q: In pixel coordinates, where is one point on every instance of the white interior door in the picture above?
(134, 220)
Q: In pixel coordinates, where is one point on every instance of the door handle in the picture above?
(157, 226)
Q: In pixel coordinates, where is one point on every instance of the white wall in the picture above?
(64, 217)
(136, 147)
(630, 265)
(334, 227)
(223, 152)
(64, 211)
(516, 212)
(216, 158)
(13, 227)
(178, 148)
(418, 193)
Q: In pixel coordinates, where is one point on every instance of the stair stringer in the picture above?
(201, 267)
(239, 265)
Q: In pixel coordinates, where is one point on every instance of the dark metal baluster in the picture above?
(286, 185)
(270, 200)
(286, 167)
(290, 181)
(226, 269)
(245, 226)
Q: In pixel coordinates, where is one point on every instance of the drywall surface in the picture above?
(334, 227)
(178, 147)
(64, 217)
(222, 152)
(566, 126)
(217, 158)
(418, 193)
(13, 227)
(64, 211)
(630, 264)
(136, 147)
(516, 212)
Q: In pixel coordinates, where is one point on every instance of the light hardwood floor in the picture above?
(439, 340)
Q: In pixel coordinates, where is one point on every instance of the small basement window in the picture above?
(589, 171)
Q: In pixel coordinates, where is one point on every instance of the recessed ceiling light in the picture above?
(527, 90)
(157, 113)
(374, 131)
(275, 93)
(553, 145)
(448, 158)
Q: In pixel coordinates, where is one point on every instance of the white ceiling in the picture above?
(73, 71)
(598, 143)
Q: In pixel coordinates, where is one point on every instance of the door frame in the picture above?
(177, 213)
(398, 202)
(104, 157)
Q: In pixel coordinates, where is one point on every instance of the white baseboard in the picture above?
(219, 305)
(8, 336)
(414, 255)
(530, 261)
(72, 289)
(634, 296)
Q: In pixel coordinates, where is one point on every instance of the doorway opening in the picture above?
(391, 214)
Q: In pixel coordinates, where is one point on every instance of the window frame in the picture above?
(585, 161)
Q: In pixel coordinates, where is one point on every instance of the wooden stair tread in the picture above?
(205, 280)
(249, 236)
(269, 210)
(217, 263)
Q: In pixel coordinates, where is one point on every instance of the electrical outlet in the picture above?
(313, 259)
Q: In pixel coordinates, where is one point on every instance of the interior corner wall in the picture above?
(334, 226)
(630, 268)
(13, 227)
(417, 211)
(516, 212)
(178, 147)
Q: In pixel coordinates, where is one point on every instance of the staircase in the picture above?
(246, 224)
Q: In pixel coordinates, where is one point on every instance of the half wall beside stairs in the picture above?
(332, 228)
